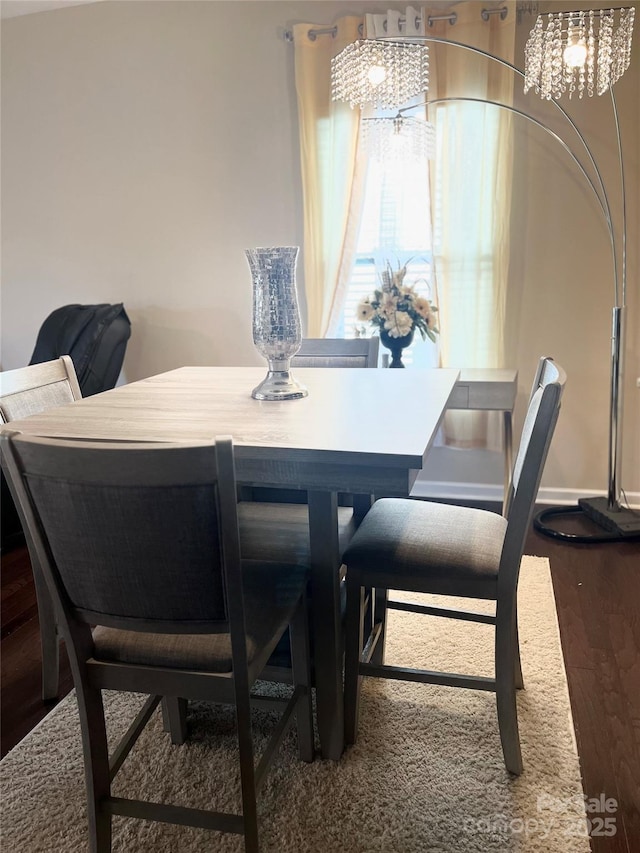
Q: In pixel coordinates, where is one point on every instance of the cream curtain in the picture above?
(470, 190)
(332, 182)
(471, 202)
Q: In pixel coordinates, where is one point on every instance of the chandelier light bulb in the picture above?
(376, 75)
(575, 54)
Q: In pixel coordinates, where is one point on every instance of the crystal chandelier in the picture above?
(379, 73)
(398, 138)
(578, 52)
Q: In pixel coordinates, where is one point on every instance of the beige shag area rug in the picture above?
(425, 775)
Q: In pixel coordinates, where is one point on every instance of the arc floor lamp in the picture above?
(567, 53)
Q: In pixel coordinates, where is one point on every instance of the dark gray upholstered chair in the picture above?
(275, 521)
(337, 352)
(440, 549)
(29, 391)
(141, 541)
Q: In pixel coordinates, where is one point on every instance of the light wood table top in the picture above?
(358, 431)
(485, 388)
(382, 419)
(491, 389)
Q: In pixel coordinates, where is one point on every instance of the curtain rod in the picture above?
(485, 14)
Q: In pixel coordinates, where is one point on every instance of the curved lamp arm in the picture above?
(619, 274)
(603, 207)
(619, 280)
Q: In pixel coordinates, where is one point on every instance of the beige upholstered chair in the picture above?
(29, 391)
(33, 389)
(440, 549)
(141, 541)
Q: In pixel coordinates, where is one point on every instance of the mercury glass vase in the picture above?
(277, 329)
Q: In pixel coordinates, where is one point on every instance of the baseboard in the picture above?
(493, 492)
(563, 497)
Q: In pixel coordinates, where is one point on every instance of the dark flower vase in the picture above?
(395, 346)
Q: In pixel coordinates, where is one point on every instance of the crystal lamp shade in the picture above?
(398, 138)
(379, 73)
(578, 52)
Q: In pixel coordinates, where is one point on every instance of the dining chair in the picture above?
(426, 547)
(141, 541)
(23, 392)
(275, 521)
(337, 352)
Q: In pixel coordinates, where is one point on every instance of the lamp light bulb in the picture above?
(575, 54)
(376, 74)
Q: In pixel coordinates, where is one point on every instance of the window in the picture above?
(395, 227)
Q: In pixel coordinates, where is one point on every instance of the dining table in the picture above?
(364, 432)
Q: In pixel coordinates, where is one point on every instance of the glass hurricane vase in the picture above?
(277, 329)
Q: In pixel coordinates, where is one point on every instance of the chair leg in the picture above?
(247, 772)
(96, 766)
(506, 693)
(174, 718)
(354, 634)
(519, 681)
(301, 666)
(369, 615)
(380, 617)
(49, 640)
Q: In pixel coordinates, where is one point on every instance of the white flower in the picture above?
(365, 311)
(422, 306)
(397, 308)
(431, 320)
(399, 325)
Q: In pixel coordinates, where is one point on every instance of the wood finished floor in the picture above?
(597, 590)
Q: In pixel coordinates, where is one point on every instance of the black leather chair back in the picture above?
(95, 336)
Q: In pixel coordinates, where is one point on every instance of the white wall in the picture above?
(146, 144)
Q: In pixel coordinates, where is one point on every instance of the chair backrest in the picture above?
(537, 432)
(29, 391)
(545, 372)
(36, 388)
(337, 352)
(135, 536)
(95, 336)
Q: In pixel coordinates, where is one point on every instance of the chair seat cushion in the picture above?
(280, 531)
(429, 547)
(271, 593)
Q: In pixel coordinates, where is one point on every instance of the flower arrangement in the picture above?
(398, 309)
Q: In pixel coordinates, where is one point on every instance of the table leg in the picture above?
(361, 506)
(326, 621)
